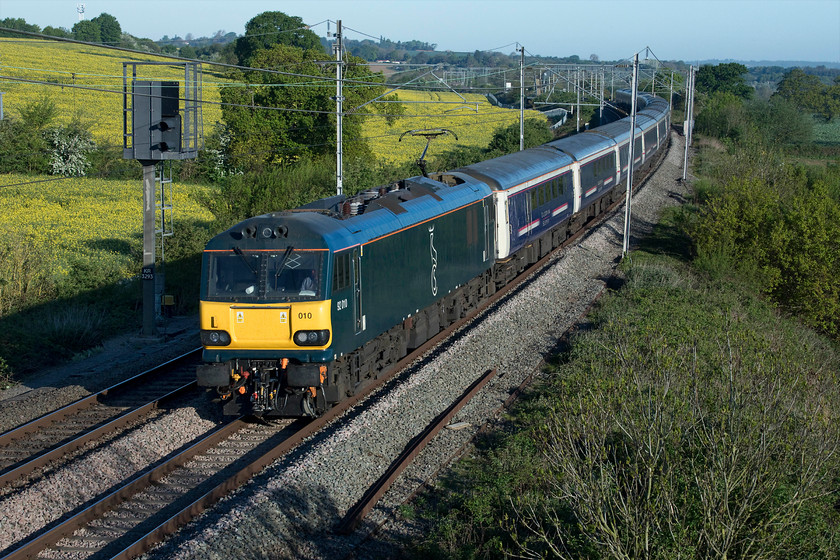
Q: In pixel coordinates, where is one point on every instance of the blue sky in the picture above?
(688, 30)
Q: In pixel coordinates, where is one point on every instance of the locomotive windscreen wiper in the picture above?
(239, 252)
(282, 265)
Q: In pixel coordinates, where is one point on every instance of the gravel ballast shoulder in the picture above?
(119, 358)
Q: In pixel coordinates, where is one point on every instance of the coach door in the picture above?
(489, 230)
(529, 209)
(358, 315)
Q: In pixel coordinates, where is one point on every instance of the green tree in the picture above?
(109, 28)
(274, 28)
(832, 100)
(87, 30)
(780, 122)
(725, 78)
(57, 32)
(808, 93)
(187, 52)
(801, 89)
(723, 116)
(506, 140)
(23, 147)
(296, 117)
(17, 23)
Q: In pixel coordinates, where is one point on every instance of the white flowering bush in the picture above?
(69, 149)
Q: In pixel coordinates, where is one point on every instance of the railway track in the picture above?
(153, 504)
(57, 434)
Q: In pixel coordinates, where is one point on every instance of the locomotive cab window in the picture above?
(341, 272)
(289, 275)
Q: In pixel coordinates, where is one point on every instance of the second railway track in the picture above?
(56, 434)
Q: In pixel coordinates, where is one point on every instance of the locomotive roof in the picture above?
(423, 199)
(318, 226)
(512, 169)
(304, 230)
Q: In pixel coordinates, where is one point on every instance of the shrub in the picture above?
(783, 235)
(723, 116)
(70, 149)
(183, 262)
(23, 277)
(68, 330)
(279, 188)
(6, 375)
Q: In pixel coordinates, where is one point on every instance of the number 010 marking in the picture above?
(304, 315)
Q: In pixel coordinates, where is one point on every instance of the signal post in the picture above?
(156, 128)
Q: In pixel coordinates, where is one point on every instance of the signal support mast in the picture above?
(157, 129)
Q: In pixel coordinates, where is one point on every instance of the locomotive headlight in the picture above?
(215, 338)
(312, 338)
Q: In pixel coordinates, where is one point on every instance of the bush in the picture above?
(506, 140)
(183, 263)
(22, 149)
(23, 277)
(779, 122)
(282, 187)
(106, 162)
(723, 116)
(69, 330)
(783, 235)
(70, 148)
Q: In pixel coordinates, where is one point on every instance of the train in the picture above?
(300, 309)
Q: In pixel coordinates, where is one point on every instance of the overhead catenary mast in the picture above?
(522, 98)
(339, 109)
(630, 157)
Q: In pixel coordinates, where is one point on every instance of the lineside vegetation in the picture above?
(696, 415)
(70, 251)
(688, 421)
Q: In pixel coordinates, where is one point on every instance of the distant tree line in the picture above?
(104, 28)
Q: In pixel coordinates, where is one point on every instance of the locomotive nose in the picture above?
(261, 324)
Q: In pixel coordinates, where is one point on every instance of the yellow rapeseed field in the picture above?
(473, 121)
(67, 64)
(63, 65)
(101, 220)
(94, 219)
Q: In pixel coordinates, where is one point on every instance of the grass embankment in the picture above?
(688, 419)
